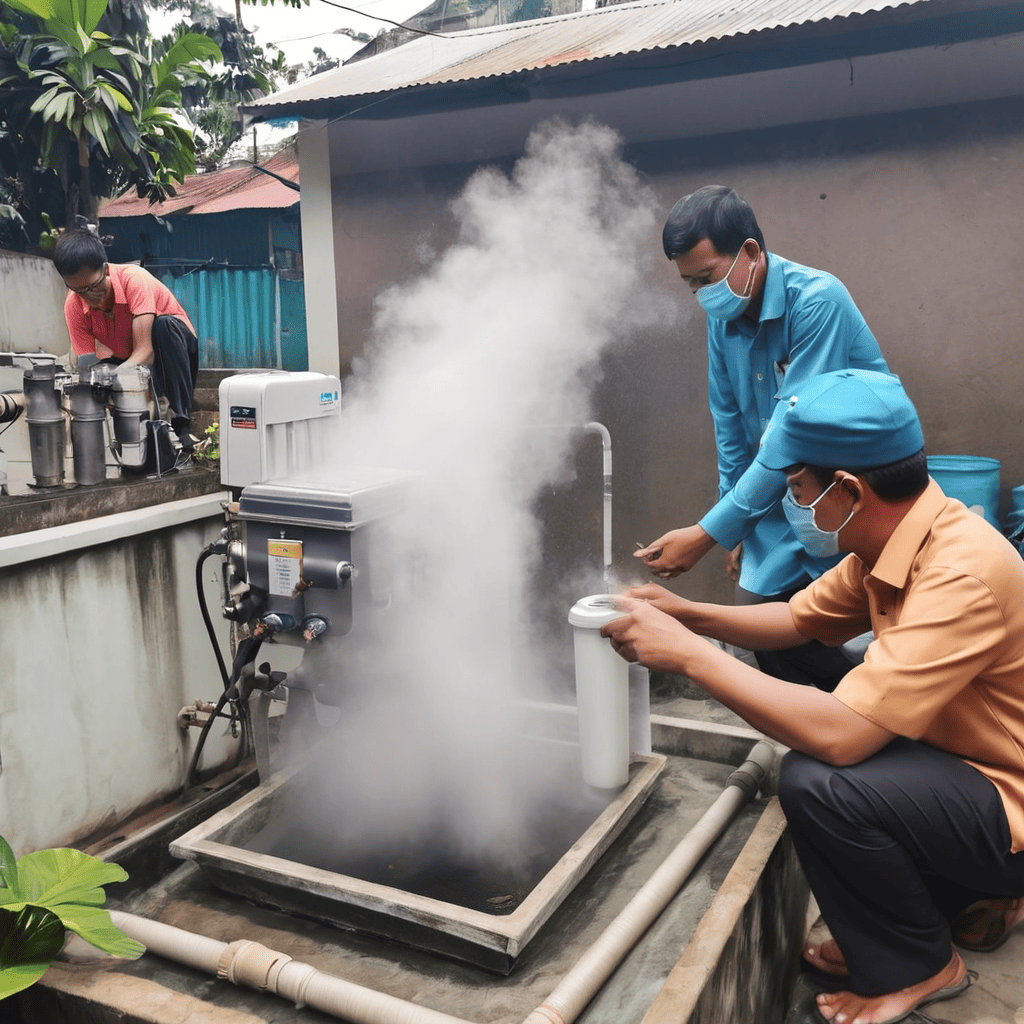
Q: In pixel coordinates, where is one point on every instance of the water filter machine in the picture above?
(612, 697)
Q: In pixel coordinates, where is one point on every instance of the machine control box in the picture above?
(354, 496)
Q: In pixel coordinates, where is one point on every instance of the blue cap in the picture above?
(847, 419)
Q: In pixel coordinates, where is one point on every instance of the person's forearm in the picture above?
(802, 717)
(139, 358)
(758, 627)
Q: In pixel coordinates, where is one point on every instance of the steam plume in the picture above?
(470, 370)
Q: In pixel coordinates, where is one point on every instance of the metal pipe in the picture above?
(88, 419)
(45, 424)
(249, 963)
(11, 405)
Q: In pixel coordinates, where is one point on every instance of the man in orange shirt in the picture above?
(122, 312)
(904, 788)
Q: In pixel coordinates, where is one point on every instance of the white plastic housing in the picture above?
(274, 422)
(602, 695)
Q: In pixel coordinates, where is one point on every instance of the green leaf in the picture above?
(42, 101)
(85, 13)
(122, 101)
(51, 878)
(95, 925)
(193, 47)
(98, 130)
(41, 9)
(8, 868)
(29, 941)
(65, 33)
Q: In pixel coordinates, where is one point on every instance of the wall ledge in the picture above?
(58, 540)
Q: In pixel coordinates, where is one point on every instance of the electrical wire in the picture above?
(377, 17)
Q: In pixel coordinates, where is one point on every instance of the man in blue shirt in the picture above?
(772, 324)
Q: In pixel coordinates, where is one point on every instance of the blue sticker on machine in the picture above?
(243, 416)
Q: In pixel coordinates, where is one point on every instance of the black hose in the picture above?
(210, 549)
(247, 651)
(242, 658)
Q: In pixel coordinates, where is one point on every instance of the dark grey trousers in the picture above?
(893, 849)
(174, 370)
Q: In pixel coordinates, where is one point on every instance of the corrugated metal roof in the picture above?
(573, 38)
(236, 188)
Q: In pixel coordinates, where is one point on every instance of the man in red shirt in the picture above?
(122, 312)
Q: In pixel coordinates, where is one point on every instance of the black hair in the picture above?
(714, 212)
(78, 250)
(894, 481)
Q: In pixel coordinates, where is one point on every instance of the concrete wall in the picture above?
(32, 310)
(917, 212)
(102, 644)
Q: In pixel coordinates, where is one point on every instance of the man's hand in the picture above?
(676, 551)
(662, 599)
(648, 635)
(733, 561)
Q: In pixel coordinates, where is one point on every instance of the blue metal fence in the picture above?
(244, 318)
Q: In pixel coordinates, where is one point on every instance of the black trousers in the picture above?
(174, 370)
(893, 849)
(811, 664)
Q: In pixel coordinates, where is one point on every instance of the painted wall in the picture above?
(32, 310)
(102, 645)
(918, 212)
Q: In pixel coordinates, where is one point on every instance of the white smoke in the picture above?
(473, 373)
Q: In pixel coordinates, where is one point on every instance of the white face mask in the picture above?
(817, 542)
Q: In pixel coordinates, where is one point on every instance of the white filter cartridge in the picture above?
(639, 709)
(602, 695)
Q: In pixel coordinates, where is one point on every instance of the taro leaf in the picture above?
(51, 877)
(67, 882)
(29, 940)
(8, 868)
(95, 925)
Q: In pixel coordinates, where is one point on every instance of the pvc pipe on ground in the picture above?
(256, 966)
(593, 969)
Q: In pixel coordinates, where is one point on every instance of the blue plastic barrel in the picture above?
(973, 479)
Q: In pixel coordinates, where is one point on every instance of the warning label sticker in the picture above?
(284, 563)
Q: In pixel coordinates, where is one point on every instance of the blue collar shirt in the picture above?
(807, 325)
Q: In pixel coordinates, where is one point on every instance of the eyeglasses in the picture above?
(94, 286)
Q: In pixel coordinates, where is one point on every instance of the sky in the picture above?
(297, 31)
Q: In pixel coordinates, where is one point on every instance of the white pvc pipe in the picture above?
(256, 966)
(596, 965)
(606, 445)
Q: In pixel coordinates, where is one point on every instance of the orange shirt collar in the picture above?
(897, 557)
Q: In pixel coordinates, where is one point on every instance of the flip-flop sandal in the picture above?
(997, 918)
(949, 992)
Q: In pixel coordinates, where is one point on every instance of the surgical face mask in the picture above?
(817, 542)
(720, 301)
